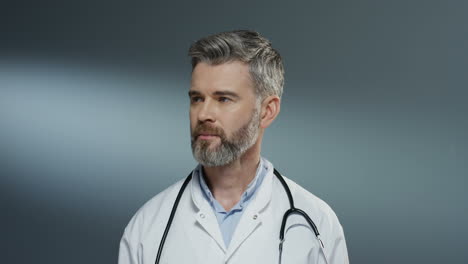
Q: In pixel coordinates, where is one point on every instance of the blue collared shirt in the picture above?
(229, 220)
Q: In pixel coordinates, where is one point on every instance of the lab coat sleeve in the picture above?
(329, 226)
(332, 236)
(127, 252)
(335, 246)
(137, 230)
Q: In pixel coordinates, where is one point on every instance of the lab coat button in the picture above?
(255, 217)
(202, 215)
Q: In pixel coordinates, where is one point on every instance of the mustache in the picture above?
(207, 129)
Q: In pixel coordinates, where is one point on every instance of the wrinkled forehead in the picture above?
(231, 76)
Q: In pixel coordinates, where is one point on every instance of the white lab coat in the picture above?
(195, 236)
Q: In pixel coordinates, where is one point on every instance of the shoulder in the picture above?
(328, 225)
(304, 198)
(320, 212)
(308, 199)
(152, 211)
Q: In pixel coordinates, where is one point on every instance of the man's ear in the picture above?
(270, 109)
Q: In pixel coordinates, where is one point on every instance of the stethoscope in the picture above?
(290, 211)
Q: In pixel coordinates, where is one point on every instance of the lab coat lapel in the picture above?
(204, 214)
(252, 218)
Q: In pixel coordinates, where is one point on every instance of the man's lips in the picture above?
(207, 136)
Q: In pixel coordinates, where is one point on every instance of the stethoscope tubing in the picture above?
(290, 211)
(171, 217)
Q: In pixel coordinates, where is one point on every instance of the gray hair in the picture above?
(265, 64)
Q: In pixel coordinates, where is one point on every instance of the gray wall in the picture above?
(94, 119)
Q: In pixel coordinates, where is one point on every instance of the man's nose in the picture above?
(207, 112)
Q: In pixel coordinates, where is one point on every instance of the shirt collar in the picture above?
(248, 193)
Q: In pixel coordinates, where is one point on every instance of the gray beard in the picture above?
(229, 149)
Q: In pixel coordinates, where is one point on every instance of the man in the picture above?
(232, 208)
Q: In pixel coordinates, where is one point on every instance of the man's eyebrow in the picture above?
(228, 93)
(192, 93)
(217, 93)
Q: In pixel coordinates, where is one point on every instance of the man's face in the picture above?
(224, 117)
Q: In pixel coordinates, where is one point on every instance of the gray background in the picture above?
(94, 119)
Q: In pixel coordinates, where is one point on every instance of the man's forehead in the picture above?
(231, 76)
(235, 69)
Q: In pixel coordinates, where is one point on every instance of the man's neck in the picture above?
(228, 183)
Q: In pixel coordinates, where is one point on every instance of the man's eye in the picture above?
(224, 99)
(195, 99)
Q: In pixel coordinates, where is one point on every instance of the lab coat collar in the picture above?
(204, 214)
(252, 216)
(250, 220)
(250, 191)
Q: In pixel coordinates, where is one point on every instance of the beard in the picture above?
(229, 149)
